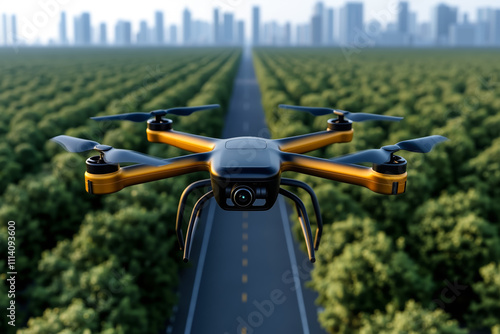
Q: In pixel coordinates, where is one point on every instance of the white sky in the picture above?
(43, 15)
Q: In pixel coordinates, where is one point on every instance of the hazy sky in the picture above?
(35, 22)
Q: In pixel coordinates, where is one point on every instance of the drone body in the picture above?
(246, 172)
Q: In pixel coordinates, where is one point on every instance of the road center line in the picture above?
(293, 263)
(199, 269)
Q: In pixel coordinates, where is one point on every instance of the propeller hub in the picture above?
(102, 148)
(159, 112)
(391, 148)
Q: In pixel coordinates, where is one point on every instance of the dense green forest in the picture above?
(426, 261)
(90, 264)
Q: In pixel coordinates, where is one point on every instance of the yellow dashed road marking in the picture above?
(244, 248)
(244, 297)
(244, 262)
(245, 236)
(244, 278)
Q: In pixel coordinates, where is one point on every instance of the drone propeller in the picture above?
(385, 154)
(108, 154)
(144, 116)
(355, 117)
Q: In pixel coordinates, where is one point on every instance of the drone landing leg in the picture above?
(304, 221)
(182, 205)
(314, 199)
(195, 217)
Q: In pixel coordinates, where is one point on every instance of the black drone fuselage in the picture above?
(245, 173)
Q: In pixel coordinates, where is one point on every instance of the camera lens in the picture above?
(242, 196)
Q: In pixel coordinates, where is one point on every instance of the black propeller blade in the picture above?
(384, 154)
(108, 154)
(144, 116)
(355, 117)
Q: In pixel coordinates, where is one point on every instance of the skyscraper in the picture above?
(103, 35)
(463, 34)
(216, 27)
(241, 32)
(158, 28)
(495, 27)
(484, 21)
(123, 33)
(63, 37)
(287, 38)
(186, 27)
(256, 25)
(316, 25)
(4, 25)
(77, 30)
(142, 35)
(173, 34)
(329, 26)
(403, 18)
(85, 22)
(228, 28)
(351, 23)
(443, 18)
(14, 29)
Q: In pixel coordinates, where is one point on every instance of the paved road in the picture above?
(242, 279)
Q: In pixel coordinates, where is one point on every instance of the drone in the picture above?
(245, 172)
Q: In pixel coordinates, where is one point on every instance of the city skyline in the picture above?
(399, 24)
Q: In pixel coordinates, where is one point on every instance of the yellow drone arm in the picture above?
(313, 141)
(358, 175)
(127, 176)
(182, 140)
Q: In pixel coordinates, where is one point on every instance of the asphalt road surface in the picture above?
(247, 273)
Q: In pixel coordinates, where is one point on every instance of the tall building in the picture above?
(63, 37)
(255, 25)
(173, 34)
(351, 23)
(287, 34)
(403, 18)
(103, 35)
(241, 32)
(484, 21)
(159, 28)
(316, 25)
(412, 26)
(123, 33)
(303, 34)
(86, 35)
(4, 26)
(216, 27)
(443, 18)
(142, 35)
(14, 29)
(329, 26)
(186, 27)
(495, 28)
(228, 28)
(463, 34)
(82, 29)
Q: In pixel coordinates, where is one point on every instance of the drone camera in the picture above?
(242, 196)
